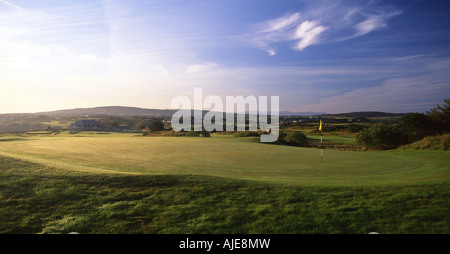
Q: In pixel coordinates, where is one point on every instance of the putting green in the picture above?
(229, 157)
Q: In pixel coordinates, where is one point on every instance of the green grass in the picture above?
(227, 157)
(349, 140)
(38, 199)
(120, 183)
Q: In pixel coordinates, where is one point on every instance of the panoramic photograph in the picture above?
(224, 117)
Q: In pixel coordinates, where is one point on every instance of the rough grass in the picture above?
(40, 199)
(441, 142)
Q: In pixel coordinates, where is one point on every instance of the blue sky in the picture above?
(323, 55)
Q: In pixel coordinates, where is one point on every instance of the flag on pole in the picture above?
(321, 153)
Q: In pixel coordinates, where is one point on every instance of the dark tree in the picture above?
(156, 126)
(382, 137)
(114, 124)
(417, 126)
(440, 115)
(354, 128)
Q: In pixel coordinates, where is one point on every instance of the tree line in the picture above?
(413, 127)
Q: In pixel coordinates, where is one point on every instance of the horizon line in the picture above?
(136, 107)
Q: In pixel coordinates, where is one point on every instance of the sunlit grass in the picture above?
(228, 157)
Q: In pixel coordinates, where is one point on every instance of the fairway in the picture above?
(228, 157)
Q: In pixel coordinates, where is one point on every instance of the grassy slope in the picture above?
(441, 142)
(209, 188)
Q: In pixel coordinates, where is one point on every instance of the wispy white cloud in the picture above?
(413, 57)
(161, 70)
(200, 67)
(371, 23)
(33, 42)
(274, 30)
(308, 33)
(323, 22)
(10, 5)
(271, 52)
(284, 22)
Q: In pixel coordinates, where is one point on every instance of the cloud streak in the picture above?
(417, 91)
(200, 67)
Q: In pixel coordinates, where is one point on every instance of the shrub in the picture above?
(281, 137)
(247, 134)
(440, 116)
(354, 128)
(382, 137)
(156, 126)
(293, 138)
(193, 134)
(203, 133)
(417, 126)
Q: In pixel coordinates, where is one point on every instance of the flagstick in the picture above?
(321, 153)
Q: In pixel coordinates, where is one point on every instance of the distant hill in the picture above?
(135, 111)
(288, 113)
(110, 111)
(365, 114)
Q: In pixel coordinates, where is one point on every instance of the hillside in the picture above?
(136, 111)
(365, 114)
(289, 113)
(111, 111)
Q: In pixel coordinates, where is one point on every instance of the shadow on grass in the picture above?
(13, 139)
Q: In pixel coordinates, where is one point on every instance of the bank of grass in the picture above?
(440, 142)
(41, 199)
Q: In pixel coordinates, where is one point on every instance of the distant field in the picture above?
(384, 118)
(122, 183)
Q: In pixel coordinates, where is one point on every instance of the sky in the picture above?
(330, 56)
